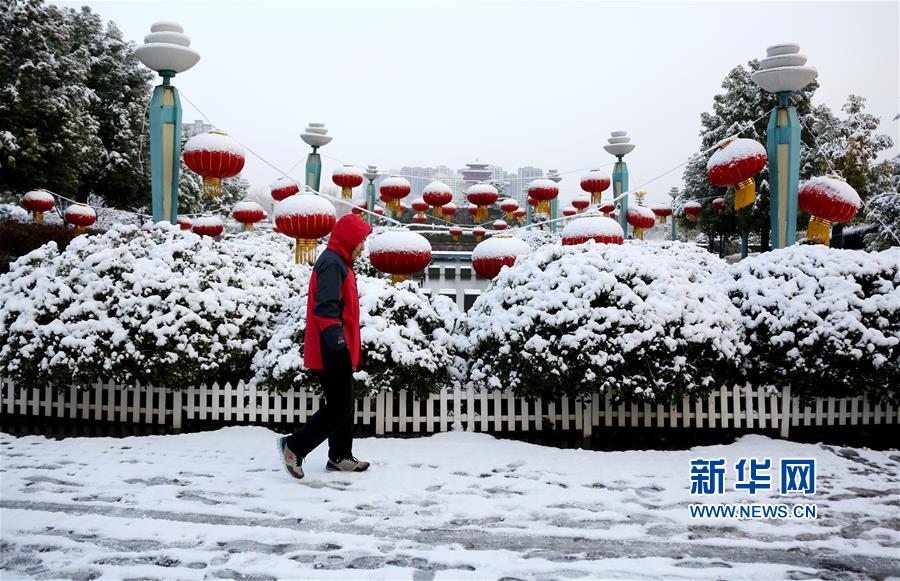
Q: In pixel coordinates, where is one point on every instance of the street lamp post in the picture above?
(554, 176)
(783, 72)
(673, 192)
(166, 51)
(316, 136)
(371, 173)
(619, 146)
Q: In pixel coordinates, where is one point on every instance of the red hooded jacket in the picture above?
(332, 307)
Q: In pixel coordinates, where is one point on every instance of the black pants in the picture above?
(333, 420)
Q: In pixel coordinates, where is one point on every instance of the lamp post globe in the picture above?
(316, 136)
(619, 144)
(167, 51)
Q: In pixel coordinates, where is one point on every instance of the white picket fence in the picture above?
(471, 410)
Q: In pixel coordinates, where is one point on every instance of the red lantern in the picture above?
(347, 177)
(569, 211)
(692, 209)
(208, 226)
(359, 207)
(595, 182)
(826, 199)
(456, 233)
(185, 223)
(532, 202)
(420, 206)
(399, 253)
(490, 256)
(581, 203)
(499, 225)
(543, 190)
(719, 205)
(37, 202)
(437, 194)
(283, 188)
(607, 207)
(661, 213)
(305, 218)
(448, 210)
(520, 215)
(419, 219)
(81, 216)
(597, 228)
(509, 206)
(734, 164)
(248, 213)
(641, 218)
(392, 190)
(478, 233)
(472, 209)
(215, 156)
(482, 195)
(379, 210)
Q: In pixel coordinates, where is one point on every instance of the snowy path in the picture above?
(450, 506)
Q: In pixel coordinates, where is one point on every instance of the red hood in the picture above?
(349, 231)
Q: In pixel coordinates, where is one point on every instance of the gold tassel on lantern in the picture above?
(543, 207)
(509, 216)
(248, 226)
(692, 217)
(396, 278)
(212, 187)
(38, 217)
(819, 230)
(393, 206)
(596, 197)
(346, 193)
(660, 219)
(744, 193)
(305, 251)
(438, 211)
(639, 233)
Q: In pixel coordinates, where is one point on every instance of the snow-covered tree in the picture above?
(72, 100)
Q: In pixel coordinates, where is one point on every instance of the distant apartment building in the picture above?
(199, 126)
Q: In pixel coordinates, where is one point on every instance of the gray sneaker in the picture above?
(292, 462)
(350, 464)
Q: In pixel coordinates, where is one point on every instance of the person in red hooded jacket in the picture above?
(332, 351)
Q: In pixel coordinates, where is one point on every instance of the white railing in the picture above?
(471, 410)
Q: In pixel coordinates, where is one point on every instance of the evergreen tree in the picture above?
(883, 210)
(72, 101)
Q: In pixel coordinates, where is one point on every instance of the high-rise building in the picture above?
(452, 178)
(519, 184)
(199, 126)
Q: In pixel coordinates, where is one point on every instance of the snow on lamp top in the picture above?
(784, 69)
(619, 144)
(304, 205)
(316, 135)
(166, 49)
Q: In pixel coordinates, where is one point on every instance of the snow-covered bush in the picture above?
(822, 320)
(883, 211)
(161, 307)
(538, 237)
(641, 320)
(410, 342)
(14, 212)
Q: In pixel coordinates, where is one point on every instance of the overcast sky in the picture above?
(515, 84)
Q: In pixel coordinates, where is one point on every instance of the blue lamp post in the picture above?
(620, 145)
(673, 193)
(315, 136)
(166, 51)
(371, 174)
(554, 176)
(783, 72)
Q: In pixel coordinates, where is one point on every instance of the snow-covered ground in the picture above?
(450, 506)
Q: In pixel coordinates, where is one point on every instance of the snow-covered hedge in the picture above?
(822, 320)
(410, 342)
(641, 320)
(161, 307)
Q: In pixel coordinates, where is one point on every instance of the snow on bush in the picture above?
(162, 307)
(822, 320)
(642, 320)
(409, 340)
(14, 213)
